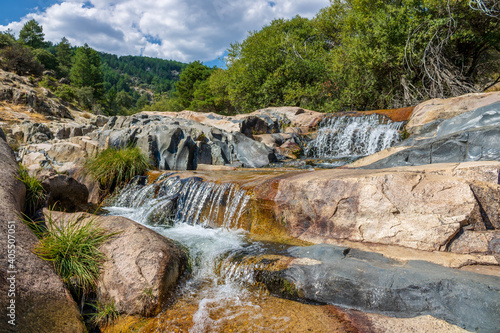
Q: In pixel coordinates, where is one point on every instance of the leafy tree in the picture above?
(32, 34)
(47, 59)
(86, 71)
(142, 101)
(6, 39)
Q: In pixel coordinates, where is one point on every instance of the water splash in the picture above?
(340, 137)
(170, 200)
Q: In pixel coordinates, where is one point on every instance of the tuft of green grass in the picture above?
(73, 247)
(35, 193)
(112, 168)
(105, 313)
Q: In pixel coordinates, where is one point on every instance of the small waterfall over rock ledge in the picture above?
(345, 136)
(170, 200)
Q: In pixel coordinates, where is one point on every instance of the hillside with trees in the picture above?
(353, 55)
(357, 55)
(98, 82)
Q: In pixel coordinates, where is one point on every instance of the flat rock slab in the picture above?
(406, 208)
(373, 283)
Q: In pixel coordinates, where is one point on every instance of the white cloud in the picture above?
(183, 30)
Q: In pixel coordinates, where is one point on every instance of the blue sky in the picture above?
(182, 30)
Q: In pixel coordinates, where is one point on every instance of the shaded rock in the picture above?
(370, 282)
(440, 109)
(42, 303)
(142, 269)
(471, 241)
(66, 193)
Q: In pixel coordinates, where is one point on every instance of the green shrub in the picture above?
(66, 93)
(73, 247)
(105, 313)
(19, 59)
(112, 168)
(35, 193)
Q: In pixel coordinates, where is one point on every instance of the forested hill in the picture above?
(153, 74)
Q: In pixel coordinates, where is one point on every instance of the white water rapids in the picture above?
(345, 136)
(184, 210)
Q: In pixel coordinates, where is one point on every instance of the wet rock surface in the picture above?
(470, 136)
(370, 282)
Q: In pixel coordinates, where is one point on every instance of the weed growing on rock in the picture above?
(35, 193)
(73, 247)
(112, 168)
(105, 313)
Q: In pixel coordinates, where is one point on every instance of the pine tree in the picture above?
(86, 70)
(32, 34)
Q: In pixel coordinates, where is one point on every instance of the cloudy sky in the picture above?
(183, 30)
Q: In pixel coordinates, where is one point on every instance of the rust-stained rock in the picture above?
(422, 211)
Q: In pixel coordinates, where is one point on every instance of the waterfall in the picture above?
(203, 216)
(171, 200)
(345, 136)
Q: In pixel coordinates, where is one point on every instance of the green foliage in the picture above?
(19, 59)
(35, 193)
(113, 168)
(63, 55)
(106, 313)
(32, 34)
(47, 59)
(6, 39)
(85, 97)
(73, 247)
(191, 80)
(65, 92)
(86, 71)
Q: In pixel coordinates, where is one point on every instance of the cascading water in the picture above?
(340, 137)
(203, 216)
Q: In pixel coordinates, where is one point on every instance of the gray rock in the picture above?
(373, 283)
(481, 144)
(180, 144)
(66, 193)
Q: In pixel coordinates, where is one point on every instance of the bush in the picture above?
(73, 247)
(19, 59)
(66, 93)
(112, 168)
(35, 193)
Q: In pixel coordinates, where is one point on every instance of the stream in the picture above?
(221, 294)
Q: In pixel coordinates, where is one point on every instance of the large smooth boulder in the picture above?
(408, 207)
(373, 283)
(42, 303)
(436, 110)
(142, 268)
